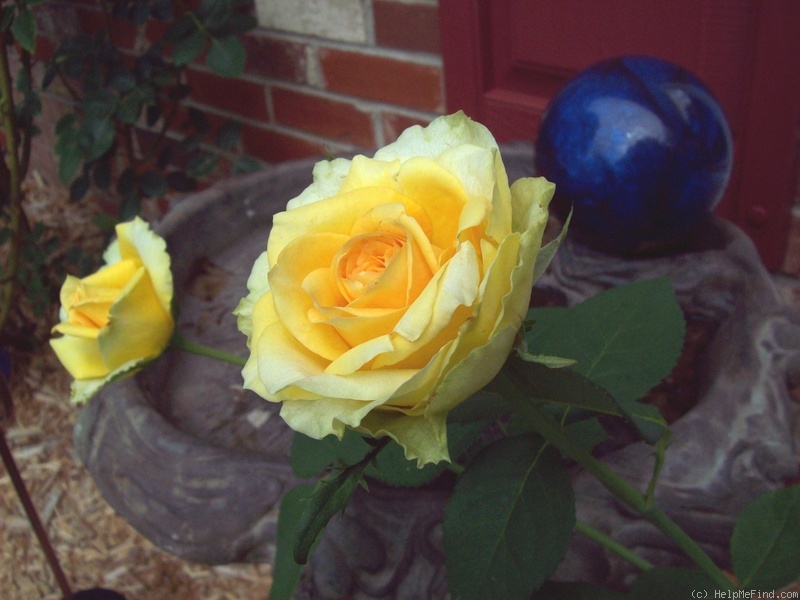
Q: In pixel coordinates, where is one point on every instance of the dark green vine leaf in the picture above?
(228, 135)
(236, 24)
(507, 525)
(153, 184)
(226, 56)
(202, 164)
(95, 137)
(213, 12)
(6, 18)
(286, 573)
(189, 48)
(78, 188)
(625, 339)
(765, 545)
(246, 164)
(24, 29)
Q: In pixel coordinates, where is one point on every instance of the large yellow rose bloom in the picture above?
(115, 320)
(392, 288)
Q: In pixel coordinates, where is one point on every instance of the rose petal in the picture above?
(292, 303)
(139, 327)
(440, 134)
(80, 355)
(139, 243)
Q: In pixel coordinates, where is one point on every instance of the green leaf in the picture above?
(180, 28)
(99, 103)
(121, 79)
(765, 545)
(153, 184)
(669, 583)
(226, 56)
(236, 24)
(331, 495)
(508, 523)
(393, 468)
(65, 123)
(309, 457)
(286, 573)
(78, 188)
(551, 362)
(228, 135)
(561, 386)
(95, 137)
(24, 29)
(212, 12)
(69, 162)
(625, 339)
(587, 433)
(246, 164)
(483, 405)
(7, 17)
(189, 48)
(202, 164)
(548, 251)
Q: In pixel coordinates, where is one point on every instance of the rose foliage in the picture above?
(393, 287)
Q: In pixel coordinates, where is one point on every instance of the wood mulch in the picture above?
(95, 546)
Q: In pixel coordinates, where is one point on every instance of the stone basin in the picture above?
(199, 465)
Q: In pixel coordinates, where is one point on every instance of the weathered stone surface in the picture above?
(199, 466)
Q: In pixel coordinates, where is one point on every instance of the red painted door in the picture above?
(505, 59)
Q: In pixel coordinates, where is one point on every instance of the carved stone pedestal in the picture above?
(199, 466)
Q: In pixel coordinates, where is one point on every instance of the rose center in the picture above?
(364, 259)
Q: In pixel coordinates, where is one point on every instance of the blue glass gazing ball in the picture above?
(639, 148)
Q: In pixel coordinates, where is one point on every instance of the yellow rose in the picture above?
(392, 288)
(114, 321)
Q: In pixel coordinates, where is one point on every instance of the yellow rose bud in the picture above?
(117, 319)
(393, 287)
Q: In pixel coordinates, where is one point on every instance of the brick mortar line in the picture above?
(420, 58)
(362, 104)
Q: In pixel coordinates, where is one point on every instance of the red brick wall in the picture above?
(299, 94)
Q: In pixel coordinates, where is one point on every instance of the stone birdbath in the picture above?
(199, 466)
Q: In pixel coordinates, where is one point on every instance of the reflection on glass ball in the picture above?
(639, 148)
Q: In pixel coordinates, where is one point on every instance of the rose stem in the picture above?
(613, 545)
(181, 343)
(33, 517)
(612, 482)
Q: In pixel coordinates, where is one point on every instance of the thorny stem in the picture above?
(613, 545)
(33, 516)
(14, 185)
(620, 488)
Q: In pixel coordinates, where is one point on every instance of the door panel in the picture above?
(505, 59)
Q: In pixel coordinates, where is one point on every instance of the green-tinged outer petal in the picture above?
(136, 241)
(119, 318)
(390, 345)
(441, 134)
(138, 328)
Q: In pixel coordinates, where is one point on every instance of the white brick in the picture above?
(341, 20)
